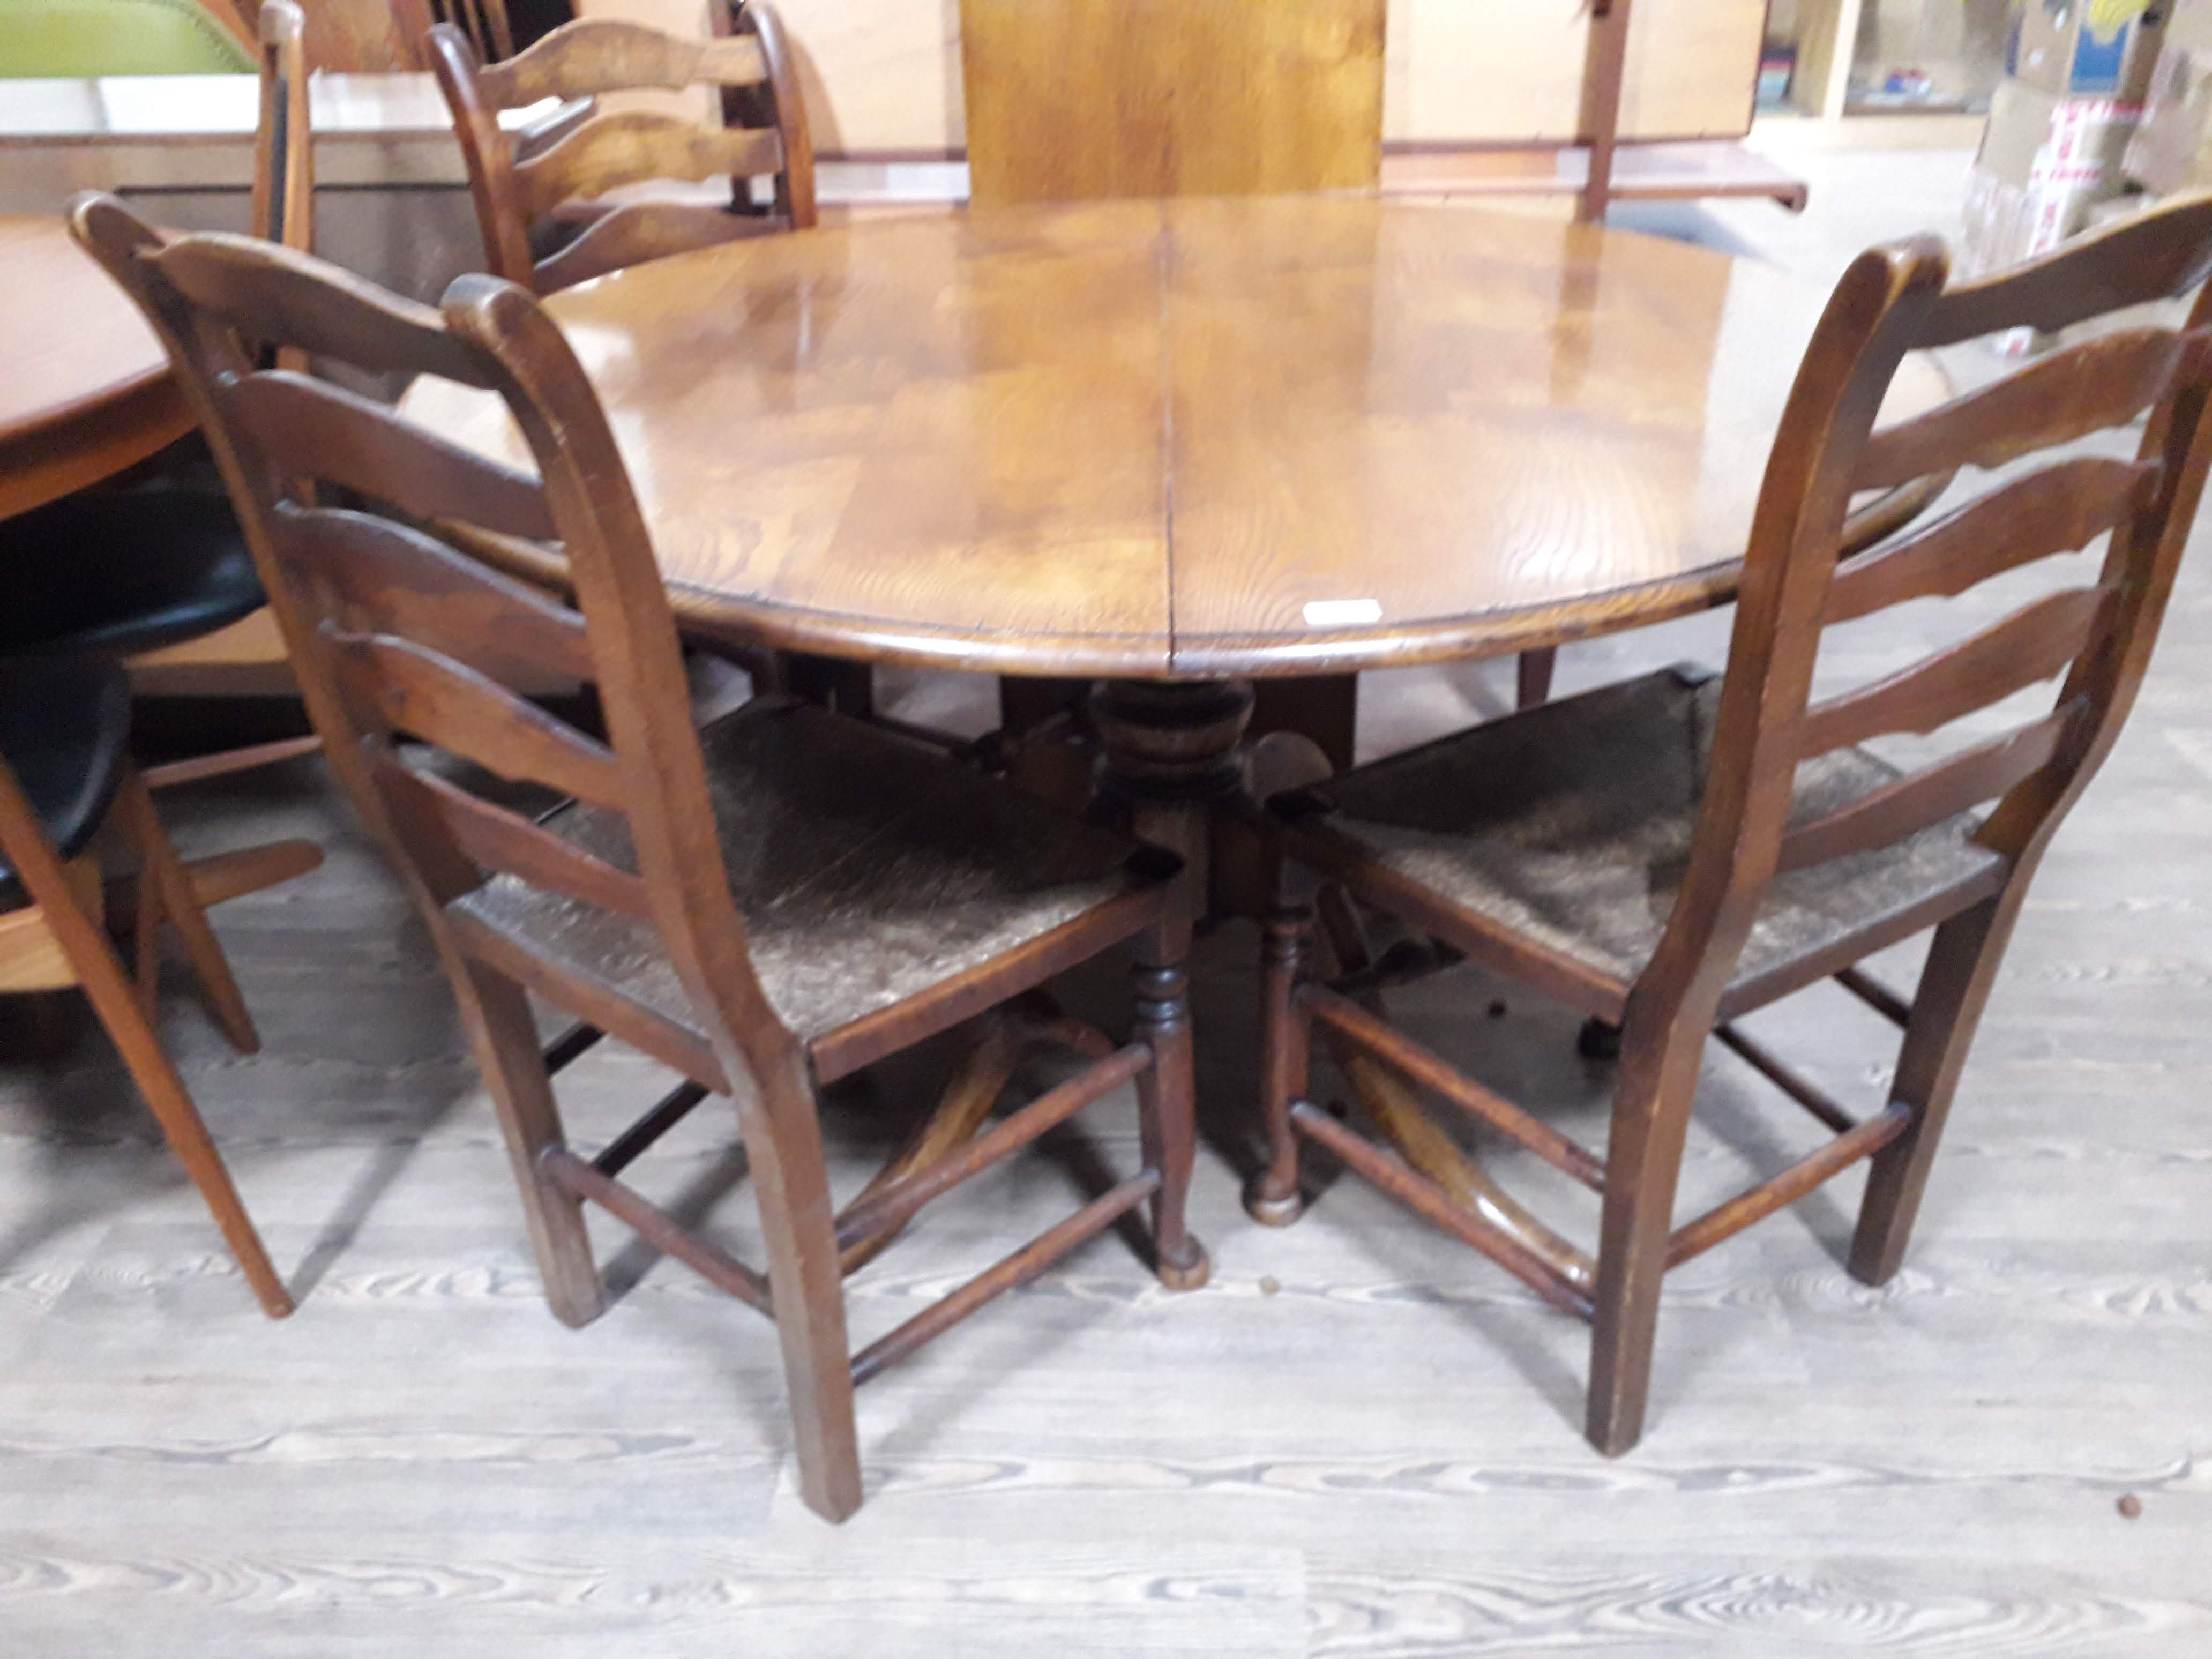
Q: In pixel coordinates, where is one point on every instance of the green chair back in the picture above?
(73, 38)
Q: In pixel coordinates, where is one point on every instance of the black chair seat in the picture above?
(118, 572)
(64, 725)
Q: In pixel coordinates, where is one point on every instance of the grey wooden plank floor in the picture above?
(1358, 1440)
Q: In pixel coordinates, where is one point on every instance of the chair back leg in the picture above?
(497, 1014)
(114, 998)
(1962, 965)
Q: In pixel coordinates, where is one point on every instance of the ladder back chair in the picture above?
(556, 213)
(95, 577)
(483, 24)
(65, 772)
(765, 904)
(1668, 854)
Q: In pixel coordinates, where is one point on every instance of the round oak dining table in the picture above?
(85, 389)
(1178, 445)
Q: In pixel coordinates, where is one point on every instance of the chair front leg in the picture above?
(1167, 1101)
(1658, 1084)
(791, 1179)
(1272, 1197)
(1962, 965)
(164, 883)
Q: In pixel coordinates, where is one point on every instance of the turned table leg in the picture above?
(1171, 761)
(1168, 758)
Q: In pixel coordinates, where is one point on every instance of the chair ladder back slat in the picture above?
(2101, 383)
(634, 146)
(1896, 811)
(327, 434)
(2154, 257)
(2059, 508)
(2032, 644)
(379, 577)
(501, 841)
(763, 133)
(638, 231)
(274, 295)
(595, 55)
(432, 697)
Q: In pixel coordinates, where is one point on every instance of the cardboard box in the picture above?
(2036, 137)
(2173, 148)
(2044, 163)
(2087, 48)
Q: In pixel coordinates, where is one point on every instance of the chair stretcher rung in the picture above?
(565, 1049)
(671, 1109)
(1726, 1220)
(660, 1229)
(1018, 1268)
(1427, 1200)
(1876, 995)
(1763, 1060)
(1410, 1060)
(890, 1209)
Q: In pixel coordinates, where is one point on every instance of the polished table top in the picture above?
(84, 385)
(1191, 438)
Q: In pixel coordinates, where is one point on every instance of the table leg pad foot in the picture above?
(1191, 1272)
(1271, 1212)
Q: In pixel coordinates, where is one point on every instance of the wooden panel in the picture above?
(880, 76)
(1513, 74)
(1075, 99)
(885, 77)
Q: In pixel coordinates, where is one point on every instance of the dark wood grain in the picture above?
(569, 190)
(1505, 870)
(2084, 388)
(1558, 433)
(768, 900)
(1068, 100)
(2056, 509)
(2032, 644)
